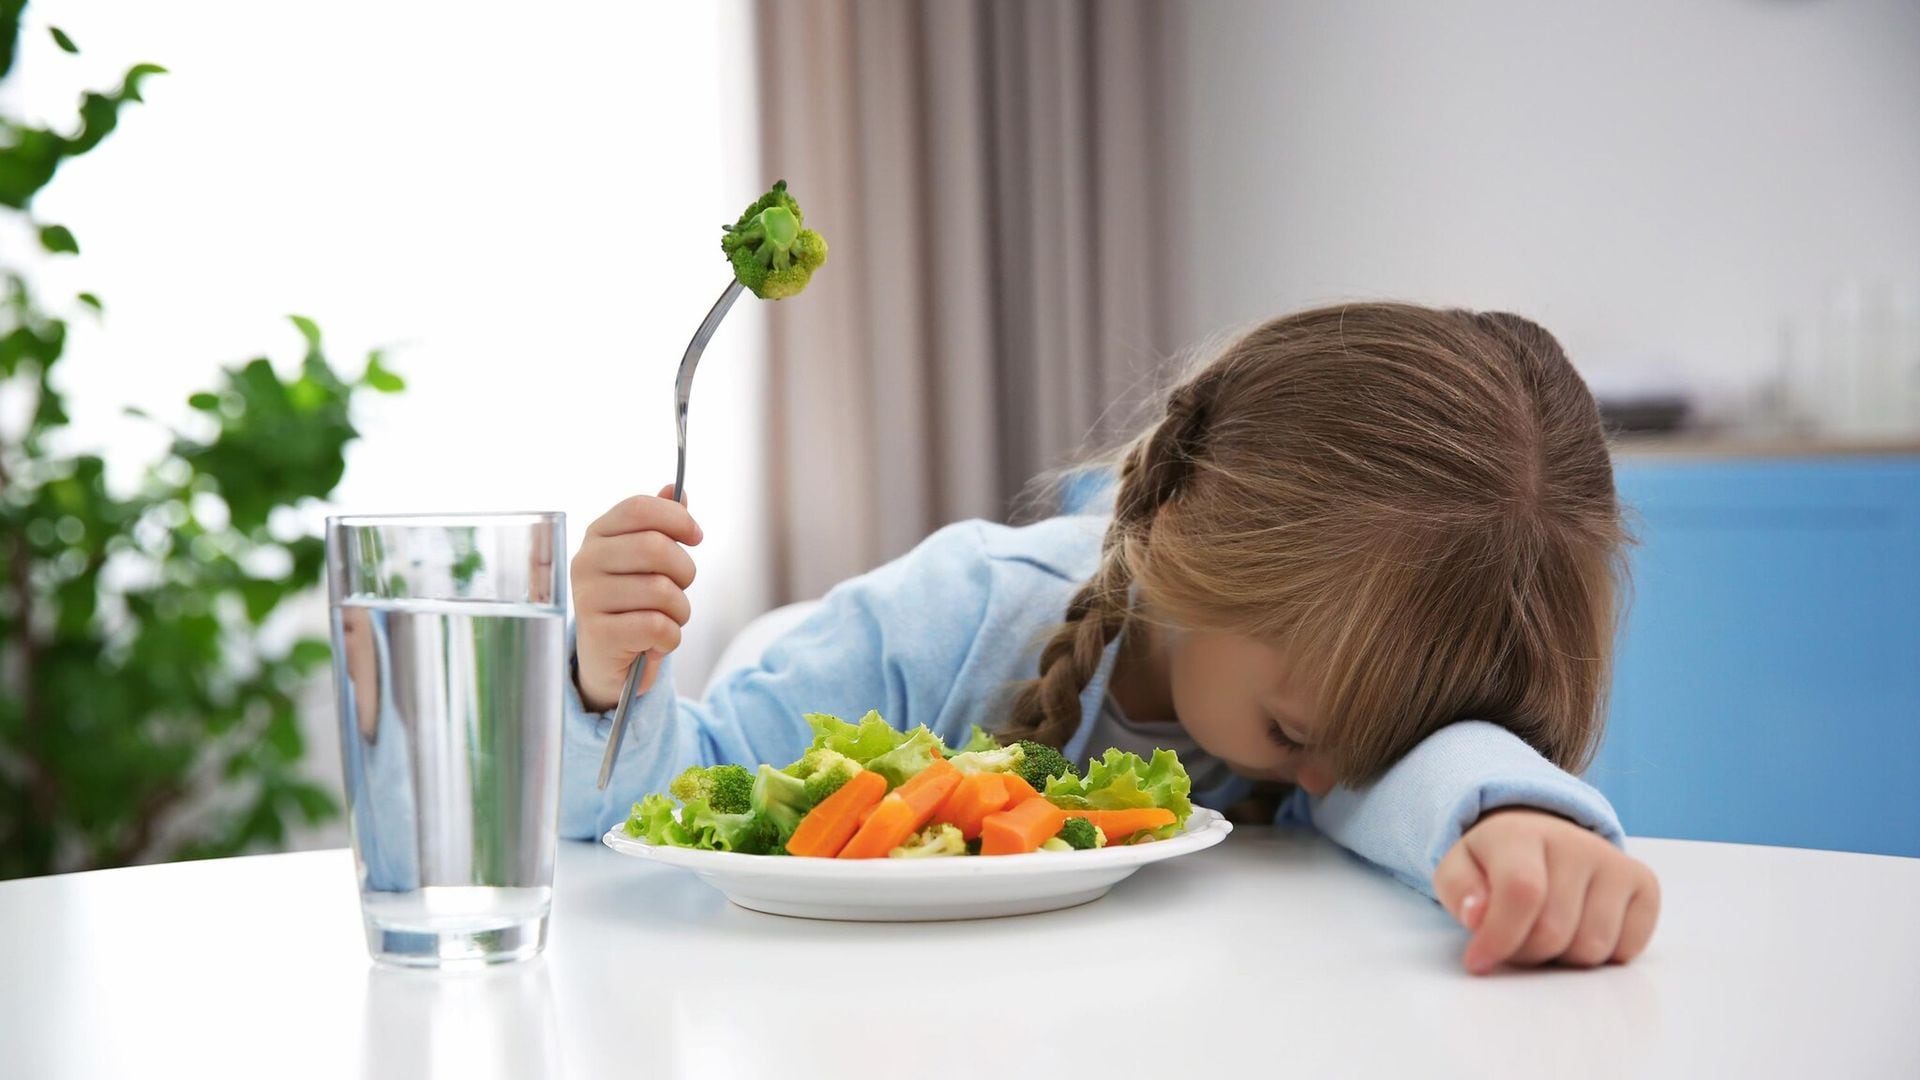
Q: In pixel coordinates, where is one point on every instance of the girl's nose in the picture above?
(1316, 779)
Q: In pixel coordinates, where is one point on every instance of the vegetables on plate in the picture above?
(868, 790)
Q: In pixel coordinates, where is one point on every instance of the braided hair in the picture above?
(1154, 468)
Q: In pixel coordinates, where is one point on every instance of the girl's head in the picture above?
(1352, 527)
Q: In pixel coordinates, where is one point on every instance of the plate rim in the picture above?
(1205, 828)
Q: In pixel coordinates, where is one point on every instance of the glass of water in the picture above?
(449, 634)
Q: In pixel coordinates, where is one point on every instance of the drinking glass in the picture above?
(449, 634)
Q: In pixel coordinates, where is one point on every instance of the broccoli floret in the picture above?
(1043, 762)
(907, 759)
(781, 799)
(771, 252)
(1005, 759)
(823, 784)
(1080, 834)
(823, 771)
(932, 841)
(1056, 844)
(726, 788)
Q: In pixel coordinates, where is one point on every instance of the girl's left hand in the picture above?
(1536, 888)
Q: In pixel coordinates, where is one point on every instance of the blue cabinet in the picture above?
(1767, 685)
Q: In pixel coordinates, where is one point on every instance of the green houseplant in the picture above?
(134, 678)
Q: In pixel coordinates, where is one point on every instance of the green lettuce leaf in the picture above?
(653, 820)
(697, 825)
(913, 754)
(977, 740)
(862, 742)
(1123, 781)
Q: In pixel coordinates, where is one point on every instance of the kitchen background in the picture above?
(1034, 208)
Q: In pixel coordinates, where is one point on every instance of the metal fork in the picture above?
(682, 389)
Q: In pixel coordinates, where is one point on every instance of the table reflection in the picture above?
(461, 1025)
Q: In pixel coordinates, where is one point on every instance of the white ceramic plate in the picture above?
(910, 890)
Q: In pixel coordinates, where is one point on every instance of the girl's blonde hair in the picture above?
(1417, 503)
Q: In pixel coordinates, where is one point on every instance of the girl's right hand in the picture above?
(629, 593)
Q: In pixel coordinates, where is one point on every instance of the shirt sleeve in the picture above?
(893, 640)
(1408, 819)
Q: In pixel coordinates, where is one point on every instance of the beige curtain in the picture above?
(992, 181)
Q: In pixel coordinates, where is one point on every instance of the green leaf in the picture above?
(466, 566)
(59, 239)
(308, 329)
(1123, 781)
(205, 402)
(100, 113)
(261, 598)
(130, 87)
(309, 653)
(91, 301)
(316, 803)
(283, 735)
(306, 395)
(862, 742)
(27, 165)
(9, 40)
(979, 740)
(379, 377)
(906, 760)
(61, 39)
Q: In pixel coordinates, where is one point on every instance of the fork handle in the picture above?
(614, 736)
(682, 393)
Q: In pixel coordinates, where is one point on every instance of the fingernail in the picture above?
(1471, 911)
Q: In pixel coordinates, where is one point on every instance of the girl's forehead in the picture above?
(1277, 671)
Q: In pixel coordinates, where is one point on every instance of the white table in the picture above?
(1273, 954)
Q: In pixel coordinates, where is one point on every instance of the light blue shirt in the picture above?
(940, 635)
(379, 774)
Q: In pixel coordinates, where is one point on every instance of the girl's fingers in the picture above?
(667, 494)
(1643, 911)
(1561, 917)
(1606, 909)
(635, 553)
(1517, 890)
(614, 594)
(1460, 887)
(646, 513)
(652, 673)
(627, 634)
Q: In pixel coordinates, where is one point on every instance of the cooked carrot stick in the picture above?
(827, 827)
(977, 795)
(901, 814)
(1021, 829)
(1120, 824)
(1018, 790)
(928, 788)
(889, 826)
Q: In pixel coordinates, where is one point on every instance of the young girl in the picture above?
(1368, 552)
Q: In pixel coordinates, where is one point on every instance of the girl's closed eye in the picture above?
(1279, 737)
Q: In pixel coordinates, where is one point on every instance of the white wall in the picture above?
(522, 201)
(1658, 183)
